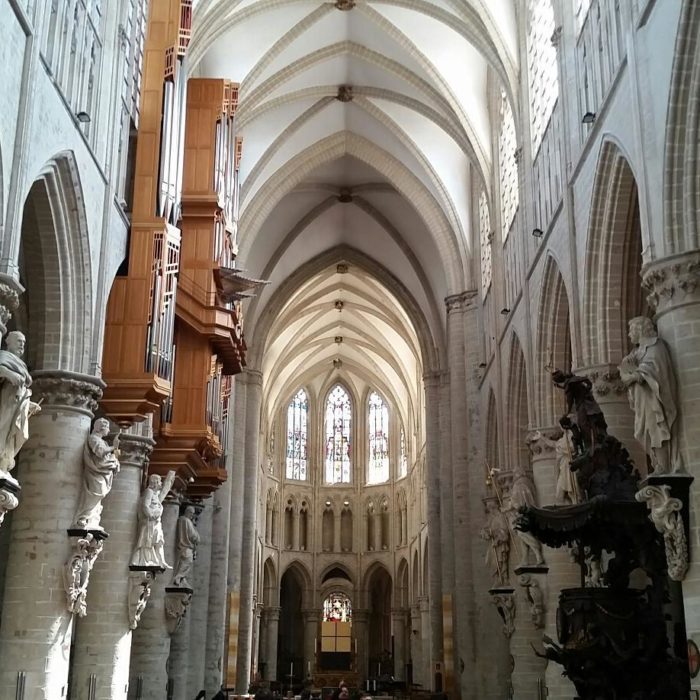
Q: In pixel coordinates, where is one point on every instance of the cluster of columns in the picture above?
(41, 642)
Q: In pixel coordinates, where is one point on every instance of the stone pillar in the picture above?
(272, 629)
(179, 660)
(563, 572)
(268, 524)
(36, 626)
(426, 637)
(235, 541)
(150, 644)
(398, 630)
(216, 614)
(295, 529)
(199, 607)
(103, 638)
(256, 640)
(311, 618)
(416, 645)
(674, 284)
(360, 619)
(245, 619)
(433, 587)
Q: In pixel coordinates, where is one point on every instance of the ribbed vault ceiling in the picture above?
(365, 124)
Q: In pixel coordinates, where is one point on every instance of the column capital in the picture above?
(67, 390)
(272, 613)
(10, 289)
(253, 376)
(134, 450)
(360, 615)
(461, 302)
(673, 281)
(542, 441)
(311, 614)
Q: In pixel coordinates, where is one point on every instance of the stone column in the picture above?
(674, 284)
(433, 652)
(235, 541)
(36, 626)
(103, 638)
(272, 629)
(398, 630)
(426, 638)
(311, 618)
(360, 618)
(268, 524)
(179, 660)
(256, 640)
(150, 644)
(295, 529)
(563, 572)
(245, 619)
(416, 645)
(199, 607)
(216, 615)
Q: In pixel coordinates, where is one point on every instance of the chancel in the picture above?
(348, 348)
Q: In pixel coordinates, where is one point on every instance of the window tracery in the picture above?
(337, 608)
(542, 67)
(403, 454)
(338, 423)
(507, 165)
(378, 439)
(297, 436)
(485, 238)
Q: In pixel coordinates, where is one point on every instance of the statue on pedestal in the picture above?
(187, 541)
(651, 385)
(567, 489)
(149, 546)
(100, 464)
(16, 406)
(497, 534)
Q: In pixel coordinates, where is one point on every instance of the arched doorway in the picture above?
(290, 648)
(380, 646)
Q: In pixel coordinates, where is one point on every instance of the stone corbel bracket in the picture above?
(87, 545)
(140, 582)
(177, 600)
(9, 492)
(665, 513)
(505, 606)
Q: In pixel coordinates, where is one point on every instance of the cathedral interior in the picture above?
(350, 348)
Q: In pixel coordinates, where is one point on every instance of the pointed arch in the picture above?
(297, 432)
(338, 435)
(681, 190)
(270, 589)
(553, 340)
(613, 284)
(518, 420)
(56, 310)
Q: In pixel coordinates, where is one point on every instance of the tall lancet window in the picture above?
(378, 440)
(338, 427)
(507, 165)
(297, 436)
(403, 454)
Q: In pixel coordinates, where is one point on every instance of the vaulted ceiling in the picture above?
(366, 127)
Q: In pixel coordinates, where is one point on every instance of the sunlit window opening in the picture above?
(297, 436)
(338, 427)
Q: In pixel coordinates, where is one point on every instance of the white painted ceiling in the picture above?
(403, 154)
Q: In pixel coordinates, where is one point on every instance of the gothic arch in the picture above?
(53, 257)
(517, 403)
(270, 588)
(612, 287)
(299, 570)
(681, 191)
(553, 341)
(401, 591)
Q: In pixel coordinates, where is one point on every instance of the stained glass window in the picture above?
(297, 434)
(338, 426)
(403, 456)
(485, 238)
(507, 165)
(337, 608)
(378, 439)
(541, 66)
